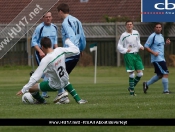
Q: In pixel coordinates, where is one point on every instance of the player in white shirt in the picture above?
(129, 45)
(44, 29)
(53, 66)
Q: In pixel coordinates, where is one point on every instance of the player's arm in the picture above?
(82, 38)
(148, 45)
(167, 41)
(35, 42)
(69, 32)
(149, 50)
(71, 49)
(41, 53)
(35, 77)
(55, 46)
(56, 38)
(120, 46)
(140, 46)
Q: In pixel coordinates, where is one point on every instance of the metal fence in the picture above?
(106, 36)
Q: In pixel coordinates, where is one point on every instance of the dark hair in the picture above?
(46, 42)
(158, 23)
(63, 7)
(128, 21)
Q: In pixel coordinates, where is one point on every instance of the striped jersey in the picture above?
(53, 66)
(129, 41)
(156, 43)
(72, 29)
(43, 30)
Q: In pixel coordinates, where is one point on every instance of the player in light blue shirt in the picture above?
(42, 30)
(72, 29)
(45, 29)
(155, 46)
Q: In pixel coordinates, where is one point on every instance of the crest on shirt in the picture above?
(59, 61)
(130, 46)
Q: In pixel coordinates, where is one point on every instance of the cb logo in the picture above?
(165, 6)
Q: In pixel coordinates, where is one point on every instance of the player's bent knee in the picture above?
(34, 88)
(140, 74)
(160, 76)
(132, 75)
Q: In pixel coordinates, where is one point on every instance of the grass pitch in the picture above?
(108, 98)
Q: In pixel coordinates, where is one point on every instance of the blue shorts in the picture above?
(71, 62)
(37, 57)
(160, 68)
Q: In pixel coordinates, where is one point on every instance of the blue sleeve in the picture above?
(149, 41)
(35, 37)
(69, 32)
(75, 33)
(82, 40)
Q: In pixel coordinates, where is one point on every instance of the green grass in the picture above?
(108, 98)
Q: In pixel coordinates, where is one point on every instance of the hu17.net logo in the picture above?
(158, 10)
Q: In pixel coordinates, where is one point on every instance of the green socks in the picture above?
(136, 80)
(131, 83)
(38, 97)
(72, 91)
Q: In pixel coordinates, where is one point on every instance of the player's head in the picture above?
(47, 18)
(129, 25)
(45, 43)
(158, 27)
(62, 10)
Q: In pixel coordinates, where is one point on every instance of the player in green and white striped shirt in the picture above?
(53, 66)
(129, 45)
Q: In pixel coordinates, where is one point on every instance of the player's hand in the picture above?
(81, 54)
(156, 53)
(128, 50)
(142, 48)
(55, 46)
(19, 93)
(41, 53)
(168, 41)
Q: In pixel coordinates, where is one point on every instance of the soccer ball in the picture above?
(63, 100)
(27, 98)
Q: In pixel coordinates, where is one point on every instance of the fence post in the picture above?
(28, 48)
(116, 41)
